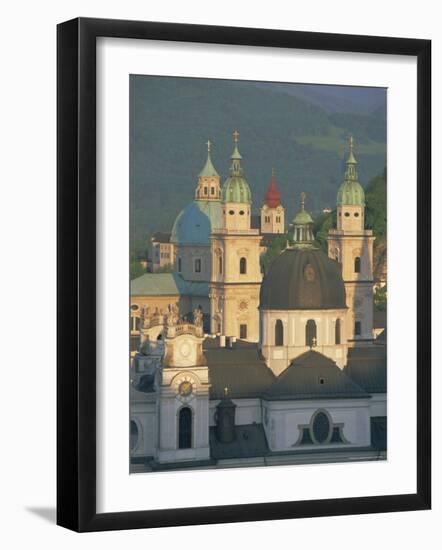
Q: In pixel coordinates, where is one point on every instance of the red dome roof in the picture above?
(273, 196)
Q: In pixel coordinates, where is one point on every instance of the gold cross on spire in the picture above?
(351, 143)
(226, 391)
(303, 195)
(235, 136)
(209, 145)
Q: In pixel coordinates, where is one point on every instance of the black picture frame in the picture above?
(76, 273)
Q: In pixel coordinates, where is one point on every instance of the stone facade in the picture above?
(330, 339)
(352, 246)
(272, 219)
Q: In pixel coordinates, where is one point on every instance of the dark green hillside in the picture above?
(171, 119)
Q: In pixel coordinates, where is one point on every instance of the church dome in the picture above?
(303, 278)
(236, 188)
(196, 222)
(351, 193)
(302, 218)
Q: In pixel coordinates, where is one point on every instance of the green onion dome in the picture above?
(236, 188)
(302, 218)
(351, 192)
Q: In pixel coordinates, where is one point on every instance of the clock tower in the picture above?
(183, 403)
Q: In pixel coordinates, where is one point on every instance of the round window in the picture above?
(321, 427)
(231, 212)
(134, 307)
(347, 214)
(241, 212)
(356, 214)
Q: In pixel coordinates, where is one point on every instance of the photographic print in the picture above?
(258, 274)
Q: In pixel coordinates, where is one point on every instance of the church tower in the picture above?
(272, 211)
(236, 274)
(183, 387)
(352, 245)
(208, 188)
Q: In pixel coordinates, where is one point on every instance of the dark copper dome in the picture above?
(303, 279)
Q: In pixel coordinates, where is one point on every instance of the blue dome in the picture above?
(196, 221)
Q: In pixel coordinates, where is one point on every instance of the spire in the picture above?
(235, 167)
(302, 226)
(351, 191)
(273, 196)
(351, 173)
(208, 170)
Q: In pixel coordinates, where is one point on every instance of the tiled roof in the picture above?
(250, 441)
(368, 368)
(240, 370)
(313, 376)
(166, 284)
(161, 237)
(379, 319)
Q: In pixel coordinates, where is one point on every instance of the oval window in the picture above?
(356, 214)
(321, 427)
(134, 307)
(347, 214)
(231, 212)
(241, 212)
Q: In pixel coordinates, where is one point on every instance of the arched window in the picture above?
(310, 333)
(279, 333)
(243, 266)
(220, 265)
(179, 265)
(357, 264)
(185, 428)
(358, 329)
(133, 434)
(338, 331)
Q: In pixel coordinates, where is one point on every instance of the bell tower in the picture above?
(272, 211)
(208, 188)
(236, 274)
(352, 245)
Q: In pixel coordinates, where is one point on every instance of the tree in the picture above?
(380, 299)
(136, 269)
(168, 268)
(275, 248)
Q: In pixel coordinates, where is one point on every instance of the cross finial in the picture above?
(350, 141)
(303, 195)
(235, 136)
(226, 391)
(209, 145)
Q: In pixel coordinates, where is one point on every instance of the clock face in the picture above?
(185, 388)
